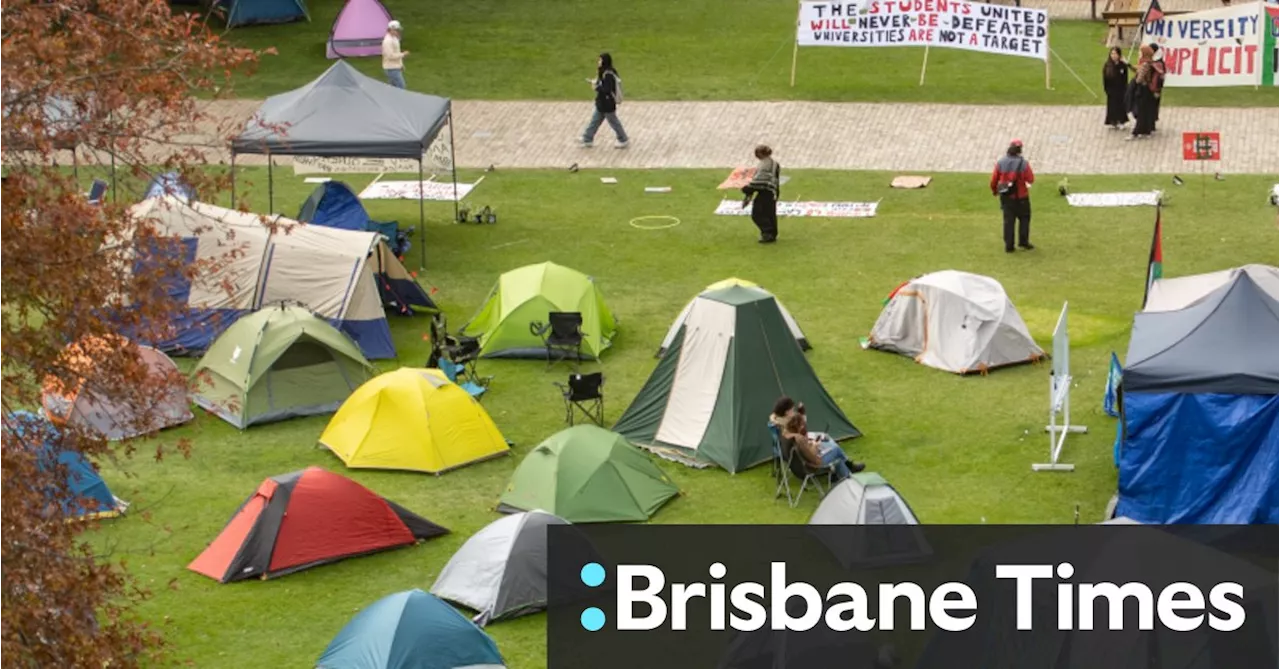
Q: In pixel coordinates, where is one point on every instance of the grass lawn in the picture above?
(685, 50)
(959, 449)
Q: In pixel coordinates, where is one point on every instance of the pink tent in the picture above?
(358, 30)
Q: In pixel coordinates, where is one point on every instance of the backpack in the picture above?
(617, 88)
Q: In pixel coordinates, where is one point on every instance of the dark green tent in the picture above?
(708, 401)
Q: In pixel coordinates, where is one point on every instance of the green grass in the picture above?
(685, 50)
(959, 449)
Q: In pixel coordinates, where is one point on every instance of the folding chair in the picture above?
(97, 191)
(800, 469)
(458, 374)
(456, 356)
(778, 468)
(583, 393)
(561, 334)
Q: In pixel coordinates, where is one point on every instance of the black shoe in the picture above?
(767, 240)
(1008, 249)
(856, 467)
(1028, 246)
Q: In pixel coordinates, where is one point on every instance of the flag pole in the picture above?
(795, 49)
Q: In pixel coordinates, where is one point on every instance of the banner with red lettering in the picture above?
(972, 26)
(1217, 47)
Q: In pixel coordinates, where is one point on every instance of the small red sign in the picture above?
(1201, 146)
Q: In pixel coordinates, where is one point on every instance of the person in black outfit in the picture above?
(1145, 85)
(1115, 81)
(607, 86)
(765, 187)
(1157, 61)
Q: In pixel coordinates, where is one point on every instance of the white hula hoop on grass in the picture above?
(635, 222)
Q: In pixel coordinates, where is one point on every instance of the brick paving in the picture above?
(850, 136)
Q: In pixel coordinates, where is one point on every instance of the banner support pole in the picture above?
(795, 48)
(924, 65)
(1047, 64)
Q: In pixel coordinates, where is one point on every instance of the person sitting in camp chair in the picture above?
(786, 407)
(816, 454)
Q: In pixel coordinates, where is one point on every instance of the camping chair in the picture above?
(778, 468)
(561, 334)
(583, 393)
(97, 191)
(796, 465)
(458, 374)
(456, 356)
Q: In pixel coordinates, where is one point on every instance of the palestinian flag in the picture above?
(1155, 261)
(1154, 13)
(1270, 49)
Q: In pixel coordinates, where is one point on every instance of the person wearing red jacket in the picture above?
(1010, 181)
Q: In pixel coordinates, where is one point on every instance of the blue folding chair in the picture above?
(97, 191)
(453, 371)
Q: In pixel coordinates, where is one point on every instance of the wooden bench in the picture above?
(1118, 21)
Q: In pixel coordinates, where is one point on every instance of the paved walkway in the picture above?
(849, 136)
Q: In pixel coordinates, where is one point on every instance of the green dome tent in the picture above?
(587, 474)
(277, 363)
(527, 295)
(709, 399)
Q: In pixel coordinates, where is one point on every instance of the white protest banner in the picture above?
(1150, 199)
(413, 190)
(971, 26)
(815, 209)
(1217, 47)
(438, 158)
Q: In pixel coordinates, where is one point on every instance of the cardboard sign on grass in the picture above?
(742, 176)
(413, 190)
(1150, 199)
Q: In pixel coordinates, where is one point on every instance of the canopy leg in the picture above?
(422, 221)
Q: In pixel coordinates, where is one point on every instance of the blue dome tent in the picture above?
(1199, 410)
(257, 12)
(410, 630)
(85, 495)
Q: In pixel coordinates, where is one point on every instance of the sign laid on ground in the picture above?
(794, 209)
(971, 26)
(1201, 146)
(413, 190)
(1147, 199)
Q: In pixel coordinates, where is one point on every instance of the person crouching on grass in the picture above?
(765, 187)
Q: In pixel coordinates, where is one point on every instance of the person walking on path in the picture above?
(1115, 81)
(765, 187)
(1010, 181)
(608, 88)
(392, 56)
(1146, 85)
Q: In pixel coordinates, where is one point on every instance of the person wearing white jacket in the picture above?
(392, 56)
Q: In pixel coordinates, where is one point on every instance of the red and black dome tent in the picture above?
(304, 519)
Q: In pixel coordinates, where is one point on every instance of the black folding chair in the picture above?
(459, 349)
(797, 466)
(562, 335)
(583, 394)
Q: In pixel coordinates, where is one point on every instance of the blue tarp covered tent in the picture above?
(334, 205)
(85, 494)
(254, 12)
(1200, 442)
(410, 630)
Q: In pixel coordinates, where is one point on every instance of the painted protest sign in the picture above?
(413, 190)
(816, 209)
(1217, 47)
(971, 26)
(1144, 199)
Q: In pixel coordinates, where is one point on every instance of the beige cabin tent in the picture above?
(954, 321)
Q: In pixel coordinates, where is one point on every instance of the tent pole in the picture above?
(271, 184)
(233, 179)
(422, 221)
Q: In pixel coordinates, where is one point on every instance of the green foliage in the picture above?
(959, 449)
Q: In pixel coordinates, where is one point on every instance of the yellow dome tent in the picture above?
(412, 419)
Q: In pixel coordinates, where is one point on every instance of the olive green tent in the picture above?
(277, 363)
(587, 474)
(708, 401)
(527, 295)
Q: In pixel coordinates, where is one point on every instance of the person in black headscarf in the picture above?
(1157, 61)
(1115, 81)
(608, 88)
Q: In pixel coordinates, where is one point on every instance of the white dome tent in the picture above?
(954, 321)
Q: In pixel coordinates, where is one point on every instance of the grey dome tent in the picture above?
(345, 113)
(501, 572)
(866, 500)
